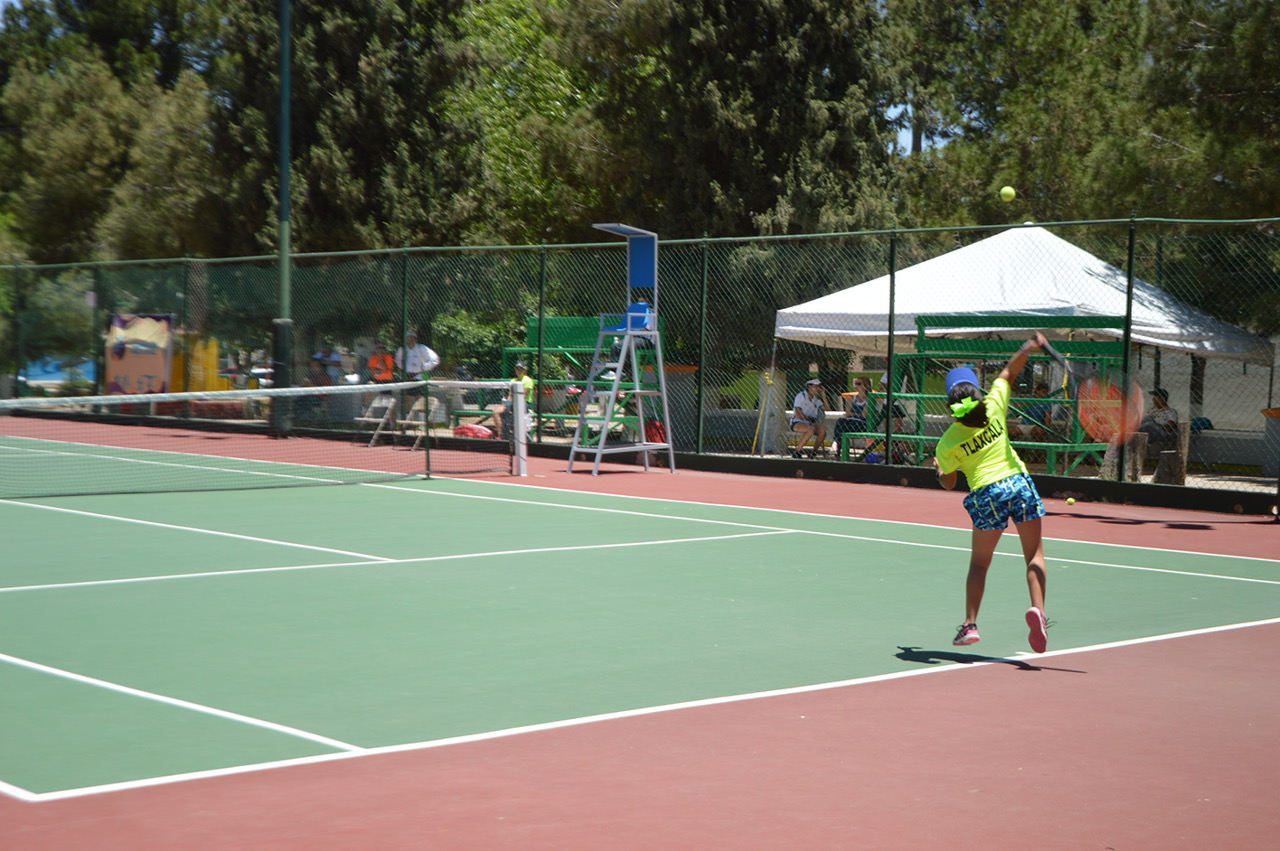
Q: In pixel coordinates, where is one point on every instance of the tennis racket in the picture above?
(1109, 403)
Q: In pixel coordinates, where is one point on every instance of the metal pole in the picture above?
(700, 390)
(1128, 339)
(404, 308)
(888, 399)
(282, 331)
(542, 330)
(285, 145)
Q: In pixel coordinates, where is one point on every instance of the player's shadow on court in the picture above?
(934, 657)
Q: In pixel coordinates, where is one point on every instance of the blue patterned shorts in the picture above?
(993, 506)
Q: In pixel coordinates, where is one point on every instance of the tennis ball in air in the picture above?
(1008, 193)
(1071, 500)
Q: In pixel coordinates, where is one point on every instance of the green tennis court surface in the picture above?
(158, 635)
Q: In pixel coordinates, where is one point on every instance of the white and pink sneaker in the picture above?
(1039, 636)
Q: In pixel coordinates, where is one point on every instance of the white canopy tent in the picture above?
(1020, 271)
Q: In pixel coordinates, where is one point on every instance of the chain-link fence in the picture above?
(745, 323)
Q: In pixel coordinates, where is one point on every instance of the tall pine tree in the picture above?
(376, 162)
(732, 117)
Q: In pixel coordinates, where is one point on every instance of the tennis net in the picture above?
(238, 439)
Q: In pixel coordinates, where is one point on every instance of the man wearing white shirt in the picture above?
(421, 359)
(808, 418)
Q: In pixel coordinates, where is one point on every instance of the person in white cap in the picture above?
(420, 360)
(808, 418)
(1000, 490)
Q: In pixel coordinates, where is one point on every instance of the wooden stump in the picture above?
(1172, 467)
(1135, 452)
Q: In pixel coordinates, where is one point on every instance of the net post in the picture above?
(282, 375)
(519, 429)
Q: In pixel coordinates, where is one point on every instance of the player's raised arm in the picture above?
(1019, 359)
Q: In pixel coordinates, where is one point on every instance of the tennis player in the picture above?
(1000, 490)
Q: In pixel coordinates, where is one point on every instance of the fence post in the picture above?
(542, 330)
(888, 398)
(1128, 333)
(700, 385)
(404, 305)
(185, 323)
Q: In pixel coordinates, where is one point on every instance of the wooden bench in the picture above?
(1052, 451)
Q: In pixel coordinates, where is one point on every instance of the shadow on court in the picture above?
(933, 657)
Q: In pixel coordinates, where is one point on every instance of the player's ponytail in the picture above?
(966, 401)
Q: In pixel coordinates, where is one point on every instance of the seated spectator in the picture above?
(1161, 422)
(503, 421)
(332, 361)
(809, 419)
(318, 373)
(1036, 422)
(902, 450)
(855, 411)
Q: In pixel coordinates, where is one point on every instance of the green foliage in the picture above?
(145, 128)
(468, 340)
(730, 118)
(376, 161)
(519, 92)
(53, 316)
(163, 204)
(77, 124)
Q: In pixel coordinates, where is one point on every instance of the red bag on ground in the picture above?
(471, 430)
(655, 432)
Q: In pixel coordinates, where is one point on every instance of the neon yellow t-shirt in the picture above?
(984, 455)
(528, 383)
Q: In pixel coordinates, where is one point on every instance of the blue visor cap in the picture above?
(960, 375)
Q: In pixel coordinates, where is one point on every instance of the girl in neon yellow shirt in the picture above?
(999, 488)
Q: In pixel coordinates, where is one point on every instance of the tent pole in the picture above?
(766, 404)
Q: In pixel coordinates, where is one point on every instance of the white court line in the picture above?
(264, 462)
(966, 530)
(201, 467)
(1021, 659)
(844, 535)
(763, 529)
(383, 563)
(1168, 570)
(173, 701)
(192, 529)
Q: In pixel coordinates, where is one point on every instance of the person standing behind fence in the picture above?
(420, 360)
(381, 366)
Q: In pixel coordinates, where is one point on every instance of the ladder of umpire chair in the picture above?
(625, 368)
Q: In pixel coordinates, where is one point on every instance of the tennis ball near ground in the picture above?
(1071, 500)
(1008, 193)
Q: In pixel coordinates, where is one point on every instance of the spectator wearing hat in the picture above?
(809, 419)
(307, 407)
(381, 366)
(503, 421)
(419, 361)
(1161, 422)
(332, 361)
(318, 373)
